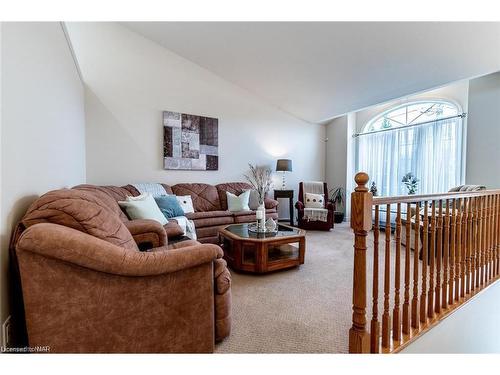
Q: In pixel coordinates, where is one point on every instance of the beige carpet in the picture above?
(301, 310)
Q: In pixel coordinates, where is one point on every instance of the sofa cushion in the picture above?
(249, 216)
(233, 187)
(81, 210)
(204, 196)
(208, 214)
(208, 222)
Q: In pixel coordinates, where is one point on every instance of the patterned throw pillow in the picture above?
(186, 203)
(314, 200)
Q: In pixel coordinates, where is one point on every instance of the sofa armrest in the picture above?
(270, 204)
(72, 246)
(147, 231)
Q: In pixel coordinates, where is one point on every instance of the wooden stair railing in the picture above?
(452, 245)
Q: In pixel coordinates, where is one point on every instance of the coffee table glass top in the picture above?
(242, 231)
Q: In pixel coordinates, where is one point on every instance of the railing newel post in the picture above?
(361, 223)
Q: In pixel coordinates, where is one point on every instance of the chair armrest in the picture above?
(147, 231)
(72, 246)
(269, 203)
(299, 206)
(330, 206)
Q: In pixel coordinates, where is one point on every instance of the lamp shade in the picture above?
(284, 165)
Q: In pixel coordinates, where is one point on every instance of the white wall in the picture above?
(483, 147)
(130, 80)
(471, 329)
(336, 152)
(43, 124)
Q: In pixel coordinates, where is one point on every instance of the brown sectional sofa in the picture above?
(210, 205)
(84, 286)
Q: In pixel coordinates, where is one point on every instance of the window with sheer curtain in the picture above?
(424, 138)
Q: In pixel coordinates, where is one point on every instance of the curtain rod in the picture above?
(462, 115)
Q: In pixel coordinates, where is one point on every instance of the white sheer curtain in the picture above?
(432, 152)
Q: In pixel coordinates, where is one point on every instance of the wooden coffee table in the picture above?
(262, 252)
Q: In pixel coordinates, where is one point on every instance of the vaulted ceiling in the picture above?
(317, 71)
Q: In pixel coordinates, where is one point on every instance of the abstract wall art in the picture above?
(190, 142)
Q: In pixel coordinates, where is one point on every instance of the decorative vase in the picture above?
(262, 217)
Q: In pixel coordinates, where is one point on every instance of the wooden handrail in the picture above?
(379, 201)
(455, 239)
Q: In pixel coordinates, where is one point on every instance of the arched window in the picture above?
(423, 138)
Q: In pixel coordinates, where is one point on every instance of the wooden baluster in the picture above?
(432, 258)
(439, 257)
(386, 318)
(414, 302)
(454, 244)
(361, 223)
(490, 239)
(482, 244)
(477, 252)
(375, 325)
(486, 239)
(470, 248)
(497, 234)
(446, 253)
(479, 242)
(459, 246)
(425, 242)
(462, 250)
(490, 235)
(406, 303)
(498, 237)
(396, 313)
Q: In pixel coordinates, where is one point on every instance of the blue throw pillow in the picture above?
(169, 206)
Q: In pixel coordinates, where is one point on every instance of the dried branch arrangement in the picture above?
(260, 179)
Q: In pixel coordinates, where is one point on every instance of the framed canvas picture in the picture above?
(190, 142)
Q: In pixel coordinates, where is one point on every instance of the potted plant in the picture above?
(337, 197)
(411, 183)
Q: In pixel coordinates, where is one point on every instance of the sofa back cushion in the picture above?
(81, 210)
(204, 196)
(110, 195)
(235, 188)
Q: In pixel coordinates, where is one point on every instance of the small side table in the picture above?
(286, 194)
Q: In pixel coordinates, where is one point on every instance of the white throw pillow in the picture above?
(237, 203)
(186, 203)
(314, 200)
(143, 207)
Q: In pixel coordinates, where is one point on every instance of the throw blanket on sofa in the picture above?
(314, 214)
(187, 226)
(157, 190)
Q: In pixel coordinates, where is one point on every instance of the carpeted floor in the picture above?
(301, 310)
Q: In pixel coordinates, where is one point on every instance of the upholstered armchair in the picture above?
(303, 221)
